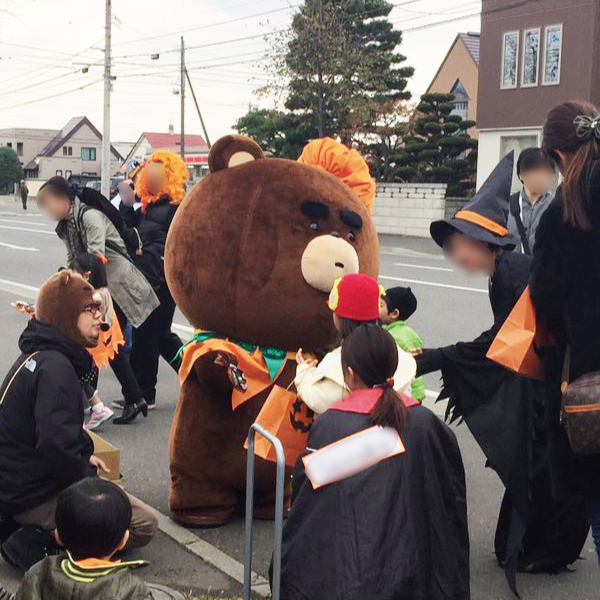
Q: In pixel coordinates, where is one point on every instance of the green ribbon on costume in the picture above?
(274, 357)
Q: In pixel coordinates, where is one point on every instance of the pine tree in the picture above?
(343, 65)
(10, 169)
(439, 148)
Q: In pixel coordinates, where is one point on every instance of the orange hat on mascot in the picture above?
(163, 174)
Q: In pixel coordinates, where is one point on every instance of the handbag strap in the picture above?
(515, 210)
(566, 370)
(12, 379)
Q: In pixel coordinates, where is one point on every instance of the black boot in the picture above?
(131, 411)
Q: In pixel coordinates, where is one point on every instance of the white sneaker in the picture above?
(99, 417)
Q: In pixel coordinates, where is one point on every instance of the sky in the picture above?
(45, 45)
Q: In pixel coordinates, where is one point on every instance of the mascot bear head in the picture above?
(257, 245)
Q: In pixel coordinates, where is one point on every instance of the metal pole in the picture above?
(182, 94)
(198, 109)
(105, 179)
(278, 527)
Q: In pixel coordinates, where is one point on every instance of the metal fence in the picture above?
(279, 500)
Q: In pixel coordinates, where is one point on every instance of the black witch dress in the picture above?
(505, 413)
(394, 531)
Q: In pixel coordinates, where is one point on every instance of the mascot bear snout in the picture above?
(327, 258)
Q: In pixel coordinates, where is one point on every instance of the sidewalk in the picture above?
(174, 570)
(423, 247)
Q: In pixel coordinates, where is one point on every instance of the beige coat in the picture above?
(96, 233)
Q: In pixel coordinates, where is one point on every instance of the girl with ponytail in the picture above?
(363, 508)
(565, 288)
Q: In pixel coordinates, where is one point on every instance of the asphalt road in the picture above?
(452, 307)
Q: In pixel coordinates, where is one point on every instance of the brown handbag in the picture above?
(581, 410)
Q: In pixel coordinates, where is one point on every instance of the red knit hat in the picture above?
(356, 297)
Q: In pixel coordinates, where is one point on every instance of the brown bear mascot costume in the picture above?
(251, 257)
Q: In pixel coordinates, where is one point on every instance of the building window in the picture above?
(58, 173)
(461, 101)
(510, 60)
(67, 150)
(20, 148)
(531, 58)
(552, 54)
(518, 143)
(68, 174)
(461, 109)
(9, 144)
(88, 154)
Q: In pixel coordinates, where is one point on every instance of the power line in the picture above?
(52, 96)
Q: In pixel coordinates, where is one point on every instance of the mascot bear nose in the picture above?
(327, 258)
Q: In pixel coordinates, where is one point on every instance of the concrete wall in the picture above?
(408, 208)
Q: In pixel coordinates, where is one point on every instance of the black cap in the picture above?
(403, 299)
(485, 217)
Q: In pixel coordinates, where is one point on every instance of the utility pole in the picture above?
(197, 108)
(105, 183)
(182, 94)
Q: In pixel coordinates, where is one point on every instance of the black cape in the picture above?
(505, 413)
(396, 531)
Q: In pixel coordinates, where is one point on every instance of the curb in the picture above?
(162, 592)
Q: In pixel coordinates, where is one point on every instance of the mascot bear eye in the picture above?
(314, 226)
(352, 236)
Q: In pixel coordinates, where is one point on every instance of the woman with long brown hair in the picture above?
(379, 503)
(565, 286)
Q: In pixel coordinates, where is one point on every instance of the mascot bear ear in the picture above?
(231, 151)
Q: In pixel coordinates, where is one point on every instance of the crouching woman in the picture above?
(379, 505)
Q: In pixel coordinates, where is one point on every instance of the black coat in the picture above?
(153, 227)
(43, 446)
(565, 288)
(396, 531)
(505, 413)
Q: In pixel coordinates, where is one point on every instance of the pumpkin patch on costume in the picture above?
(245, 262)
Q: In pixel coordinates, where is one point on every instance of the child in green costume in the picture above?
(396, 307)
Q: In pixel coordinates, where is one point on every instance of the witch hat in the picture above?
(485, 217)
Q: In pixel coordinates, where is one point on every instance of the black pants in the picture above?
(122, 368)
(24, 202)
(152, 339)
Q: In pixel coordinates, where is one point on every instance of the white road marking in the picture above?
(210, 554)
(27, 229)
(13, 247)
(185, 329)
(446, 270)
(431, 283)
(14, 221)
(20, 289)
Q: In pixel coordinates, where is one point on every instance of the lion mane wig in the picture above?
(176, 174)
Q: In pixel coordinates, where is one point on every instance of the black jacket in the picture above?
(43, 446)
(565, 288)
(505, 413)
(396, 531)
(153, 227)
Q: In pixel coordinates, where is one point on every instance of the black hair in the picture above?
(561, 134)
(347, 326)
(92, 517)
(531, 159)
(59, 186)
(371, 352)
(91, 263)
(401, 299)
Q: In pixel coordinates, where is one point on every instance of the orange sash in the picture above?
(252, 365)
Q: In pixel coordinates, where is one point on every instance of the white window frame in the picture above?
(537, 66)
(559, 26)
(504, 36)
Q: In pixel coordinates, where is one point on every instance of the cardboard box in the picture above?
(110, 454)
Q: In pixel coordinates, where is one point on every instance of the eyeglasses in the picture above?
(93, 310)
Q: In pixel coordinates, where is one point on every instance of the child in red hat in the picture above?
(354, 300)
